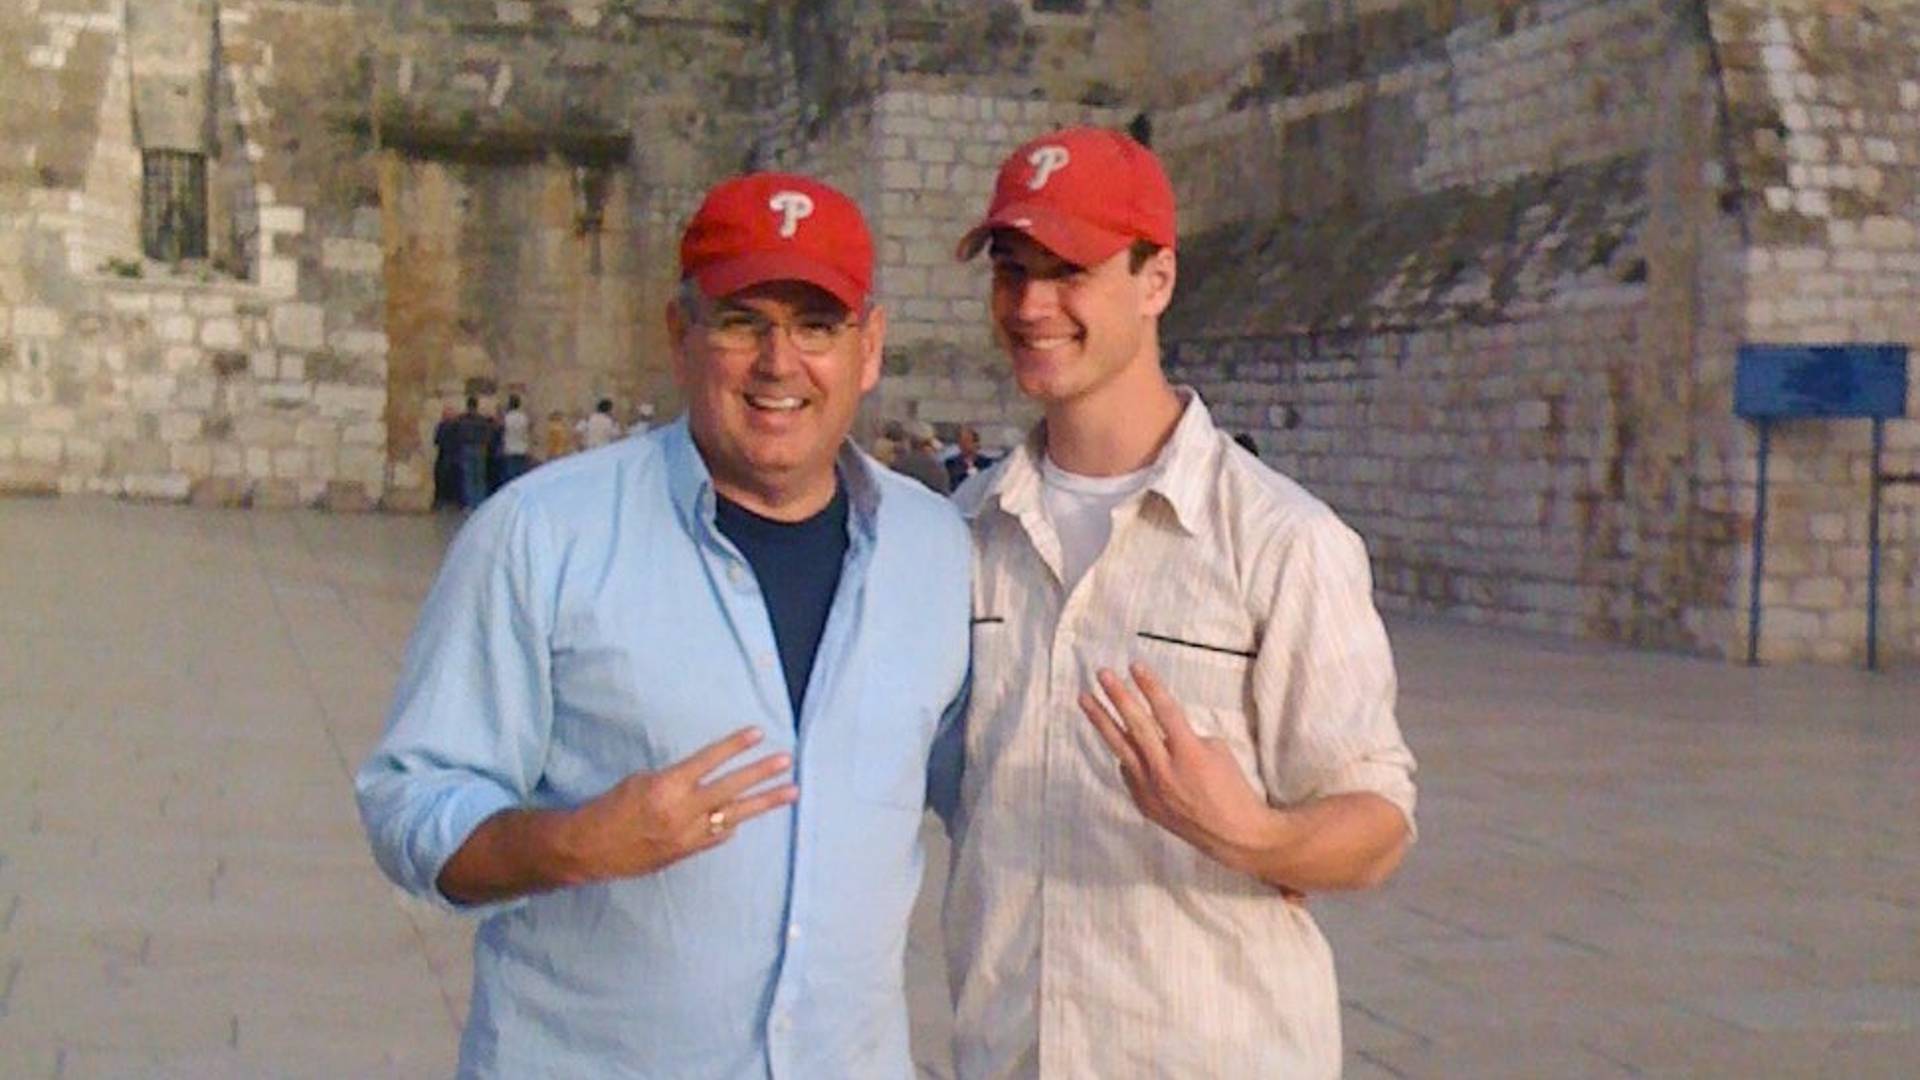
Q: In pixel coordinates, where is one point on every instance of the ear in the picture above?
(1157, 278)
(677, 331)
(873, 338)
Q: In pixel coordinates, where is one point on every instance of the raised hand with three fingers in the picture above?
(1192, 786)
(1188, 784)
(644, 823)
(651, 820)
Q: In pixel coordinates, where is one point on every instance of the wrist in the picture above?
(1260, 844)
(569, 854)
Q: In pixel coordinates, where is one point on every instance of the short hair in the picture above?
(1139, 252)
(693, 302)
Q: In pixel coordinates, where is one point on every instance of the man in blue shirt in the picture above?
(607, 639)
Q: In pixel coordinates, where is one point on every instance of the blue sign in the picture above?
(1787, 381)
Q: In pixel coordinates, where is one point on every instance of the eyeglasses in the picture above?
(739, 330)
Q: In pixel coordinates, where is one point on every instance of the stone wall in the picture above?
(448, 199)
(1822, 113)
(1476, 271)
(1421, 272)
(256, 378)
(540, 160)
(1478, 274)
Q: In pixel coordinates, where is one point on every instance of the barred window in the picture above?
(173, 211)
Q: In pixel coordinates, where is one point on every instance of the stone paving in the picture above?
(1631, 865)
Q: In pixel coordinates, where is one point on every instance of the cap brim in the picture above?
(725, 277)
(1070, 238)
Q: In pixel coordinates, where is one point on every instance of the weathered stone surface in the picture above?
(1475, 273)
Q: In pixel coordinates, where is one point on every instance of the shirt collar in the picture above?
(690, 484)
(1179, 472)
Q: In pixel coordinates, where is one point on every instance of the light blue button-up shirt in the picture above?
(590, 621)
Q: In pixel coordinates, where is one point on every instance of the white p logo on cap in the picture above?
(1046, 160)
(792, 206)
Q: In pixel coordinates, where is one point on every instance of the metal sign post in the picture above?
(1789, 382)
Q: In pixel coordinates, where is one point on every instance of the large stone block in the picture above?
(51, 418)
(318, 433)
(38, 322)
(299, 326)
(176, 328)
(283, 219)
(350, 401)
(277, 494)
(178, 427)
(40, 447)
(280, 276)
(346, 256)
(195, 393)
(220, 491)
(193, 459)
(360, 342)
(289, 463)
(286, 394)
(348, 496)
(160, 486)
(212, 304)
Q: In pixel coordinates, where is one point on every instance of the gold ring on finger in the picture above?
(716, 823)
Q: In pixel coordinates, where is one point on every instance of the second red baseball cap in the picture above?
(778, 227)
(1083, 193)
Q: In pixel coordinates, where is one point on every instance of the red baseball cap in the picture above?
(778, 227)
(1084, 194)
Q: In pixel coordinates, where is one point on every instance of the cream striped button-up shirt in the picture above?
(1084, 940)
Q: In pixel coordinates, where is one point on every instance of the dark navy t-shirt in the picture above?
(798, 566)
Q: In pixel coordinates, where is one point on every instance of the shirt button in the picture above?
(782, 1023)
(736, 575)
(793, 933)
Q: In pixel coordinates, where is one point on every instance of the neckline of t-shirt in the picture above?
(1124, 484)
(825, 518)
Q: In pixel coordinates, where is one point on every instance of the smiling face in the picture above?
(769, 418)
(1073, 331)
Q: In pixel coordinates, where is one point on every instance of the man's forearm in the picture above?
(511, 854)
(1349, 841)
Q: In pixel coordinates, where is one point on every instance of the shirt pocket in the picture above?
(1199, 672)
(1212, 679)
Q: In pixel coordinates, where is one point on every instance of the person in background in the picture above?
(556, 438)
(446, 459)
(473, 434)
(891, 443)
(966, 459)
(920, 457)
(642, 419)
(516, 441)
(599, 428)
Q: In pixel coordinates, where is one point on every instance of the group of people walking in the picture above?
(673, 712)
(476, 454)
(914, 448)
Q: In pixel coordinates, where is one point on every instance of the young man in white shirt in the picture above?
(600, 428)
(1182, 714)
(516, 441)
